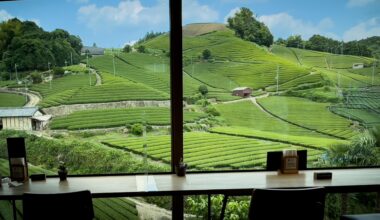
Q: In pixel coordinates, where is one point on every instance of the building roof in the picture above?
(18, 112)
(42, 118)
(93, 50)
(240, 88)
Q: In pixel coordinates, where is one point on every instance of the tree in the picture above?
(280, 41)
(141, 49)
(294, 41)
(206, 54)
(248, 28)
(36, 77)
(127, 48)
(58, 71)
(203, 89)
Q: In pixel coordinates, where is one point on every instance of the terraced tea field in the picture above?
(65, 83)
(207, 151)
(255, 75)
(118, 117)
(115, 208)
(250, 116)
(306, 113)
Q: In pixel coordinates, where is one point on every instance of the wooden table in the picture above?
(229, 183)
(343, 180)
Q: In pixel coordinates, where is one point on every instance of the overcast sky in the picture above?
(113, 23)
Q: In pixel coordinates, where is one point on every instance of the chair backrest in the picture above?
(72, 205)
(284, 204)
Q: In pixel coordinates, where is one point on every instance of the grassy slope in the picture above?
(11, 100)
(242, 62)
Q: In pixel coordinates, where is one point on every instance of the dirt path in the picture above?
(254, 101)
(98, 78)
(33, 100)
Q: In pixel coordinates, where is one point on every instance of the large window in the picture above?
(269, 81)
(127, 95)
(92, 68)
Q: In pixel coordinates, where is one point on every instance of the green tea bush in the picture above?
(137, 129)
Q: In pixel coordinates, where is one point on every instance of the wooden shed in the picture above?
(23, 118)
(242, 92)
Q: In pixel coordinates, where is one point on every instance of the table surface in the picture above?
(343, 180)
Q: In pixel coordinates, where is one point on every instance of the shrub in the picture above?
(36, 77)
(137, 129)
(212, 110)
(206, 54)
(58, 71)
(193, 99)
(141, 49)
(203, 102)
(203, 89)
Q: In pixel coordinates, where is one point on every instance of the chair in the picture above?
(372, 216)
(288, 204)
(72, 205)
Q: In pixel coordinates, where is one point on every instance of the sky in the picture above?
(114, 23)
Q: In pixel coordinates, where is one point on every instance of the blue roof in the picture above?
(18, 112)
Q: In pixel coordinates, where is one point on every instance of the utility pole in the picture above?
(71, 57)
(65, 63)
(373, 72)
(87, 58)
(89, 74)
(113, 61)
(51, 77)
(26, 89)
(16, 72)
(277, 77)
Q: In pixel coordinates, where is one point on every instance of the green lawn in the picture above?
(11, 100)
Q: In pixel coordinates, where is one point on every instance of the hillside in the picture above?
(192, 30)
(373, 43)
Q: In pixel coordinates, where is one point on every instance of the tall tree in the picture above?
(248, 28)
(294, 41)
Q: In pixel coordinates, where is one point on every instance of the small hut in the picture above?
(242, 92)
(357, 66)
(23, 118)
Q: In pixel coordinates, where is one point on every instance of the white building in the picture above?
(23, 118)
(357, 66)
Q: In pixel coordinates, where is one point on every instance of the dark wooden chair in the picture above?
(288, 204)
(72, 205)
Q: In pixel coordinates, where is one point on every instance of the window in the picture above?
(265, 85)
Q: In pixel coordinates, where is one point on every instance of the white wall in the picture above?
(17, 123)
